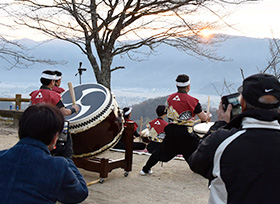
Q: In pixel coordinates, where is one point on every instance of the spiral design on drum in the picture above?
(97, 126)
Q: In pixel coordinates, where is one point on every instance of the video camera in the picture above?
(62, 138)
(234, 100)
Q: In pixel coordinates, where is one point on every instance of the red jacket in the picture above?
(156, 128)
(135, 124)
(181, 107)
(58, 89)
(158, 124)
(45, 96)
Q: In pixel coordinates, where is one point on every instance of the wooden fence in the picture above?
(18, 100)
(16, 112)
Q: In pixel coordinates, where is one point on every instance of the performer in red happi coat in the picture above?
(46, 95)
(136, 145)
(179, 139)
(57, 84)
(156, 129)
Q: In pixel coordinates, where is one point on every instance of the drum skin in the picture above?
(202, 128)
(98, 125)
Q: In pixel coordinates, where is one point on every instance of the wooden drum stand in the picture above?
(104, 165)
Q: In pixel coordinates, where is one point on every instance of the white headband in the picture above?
(48, 76)
(183, 84)
(129, 111)
(57, 77)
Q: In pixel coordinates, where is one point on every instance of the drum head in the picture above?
(145, 132)
(202, 128)
(97, 127)
(95, 102)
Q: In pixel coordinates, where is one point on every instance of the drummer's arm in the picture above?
(66, 111)
(201, 114)
(136, 134)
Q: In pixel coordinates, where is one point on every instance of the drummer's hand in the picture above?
(209, 115)
(222, 115)
(76, 107)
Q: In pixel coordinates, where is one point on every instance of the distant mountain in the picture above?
(143, 80)
(161, 69)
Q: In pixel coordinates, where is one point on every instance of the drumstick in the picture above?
(208, 107)
(141, 122)
(72, 93)
(93, 182)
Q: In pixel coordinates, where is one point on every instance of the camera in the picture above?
(234, 100)
(62, 138)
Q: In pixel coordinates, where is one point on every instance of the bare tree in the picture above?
(16, 55)
(273, 63)
(103, 29)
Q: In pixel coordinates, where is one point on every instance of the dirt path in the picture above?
(172, 183)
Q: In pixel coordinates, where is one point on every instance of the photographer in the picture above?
(29, 174)
(240, 157)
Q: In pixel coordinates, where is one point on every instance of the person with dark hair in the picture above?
(29, 174)
(57, 83)
(46, 95)
(179, 139)
(240, 156)
(136, 145)
(156, 129)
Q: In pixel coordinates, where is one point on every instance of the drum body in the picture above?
(202, 128)
(98, 125)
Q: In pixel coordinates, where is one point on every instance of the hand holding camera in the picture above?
(65, 150)
(64, 143)
(234, 101)
(224, 115)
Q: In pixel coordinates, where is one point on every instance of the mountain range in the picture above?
(151, 78)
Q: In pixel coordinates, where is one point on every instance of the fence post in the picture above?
(18, 101)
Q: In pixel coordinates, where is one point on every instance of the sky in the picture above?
(256, 19)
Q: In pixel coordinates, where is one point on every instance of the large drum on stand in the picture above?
(98, 125)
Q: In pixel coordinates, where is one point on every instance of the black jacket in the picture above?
(242, 159)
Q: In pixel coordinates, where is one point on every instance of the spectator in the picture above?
(241, 157)
(29, 174)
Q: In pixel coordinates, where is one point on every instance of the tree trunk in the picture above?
(104, 77)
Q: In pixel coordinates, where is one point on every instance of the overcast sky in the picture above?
(258, 20)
